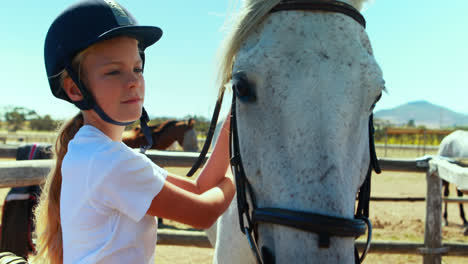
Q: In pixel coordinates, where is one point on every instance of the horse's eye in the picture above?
(242, 87)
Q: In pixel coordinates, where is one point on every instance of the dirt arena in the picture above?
(393, 221)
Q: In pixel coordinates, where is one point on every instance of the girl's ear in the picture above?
(72, 90)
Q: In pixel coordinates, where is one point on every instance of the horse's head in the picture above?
(190, 140)
(190, 123)
(303, 134)
(454, 145)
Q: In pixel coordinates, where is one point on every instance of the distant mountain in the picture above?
(423, 113)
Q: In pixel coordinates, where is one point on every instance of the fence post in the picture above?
(386, 138)
(424, 142)
(433, 250)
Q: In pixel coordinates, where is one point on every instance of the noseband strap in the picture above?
(323, 225)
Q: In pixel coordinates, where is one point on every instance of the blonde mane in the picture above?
(252, 13)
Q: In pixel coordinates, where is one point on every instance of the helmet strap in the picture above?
(106, 118)
(146, 131)
(142, 56)
(88, 102)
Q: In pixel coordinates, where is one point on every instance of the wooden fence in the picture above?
(29, 172)
(417, 131)
(6, 137)
(421, 146)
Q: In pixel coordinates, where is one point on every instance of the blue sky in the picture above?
(419, 44)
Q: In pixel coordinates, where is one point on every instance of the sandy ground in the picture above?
(396, 221)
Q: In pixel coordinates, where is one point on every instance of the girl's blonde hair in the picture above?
(47, 214)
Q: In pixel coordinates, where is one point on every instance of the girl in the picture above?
(100, 200)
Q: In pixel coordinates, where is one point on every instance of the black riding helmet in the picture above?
(78, 27)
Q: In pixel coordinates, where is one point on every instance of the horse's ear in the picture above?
(191, 122)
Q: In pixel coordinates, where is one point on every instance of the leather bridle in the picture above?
(324, 226)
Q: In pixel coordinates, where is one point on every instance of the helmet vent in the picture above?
(120, 16)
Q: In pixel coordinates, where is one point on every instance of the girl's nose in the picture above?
(134, 80)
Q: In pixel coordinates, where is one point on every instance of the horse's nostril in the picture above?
(268, 255)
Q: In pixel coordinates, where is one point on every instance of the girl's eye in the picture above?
(138, 70)
(113, 72)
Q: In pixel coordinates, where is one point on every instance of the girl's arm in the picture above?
(216, 166)
(214, 169)
(199, 203)
(197, 210)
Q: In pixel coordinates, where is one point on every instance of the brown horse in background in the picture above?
(164, 135)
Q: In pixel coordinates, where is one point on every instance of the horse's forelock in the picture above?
(251, 14)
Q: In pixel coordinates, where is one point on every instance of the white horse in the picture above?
(304, 141)
(455, 145)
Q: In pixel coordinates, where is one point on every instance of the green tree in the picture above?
(411, 123)
(45, 123)
(16, 117)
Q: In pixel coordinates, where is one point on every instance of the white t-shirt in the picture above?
(107, 189)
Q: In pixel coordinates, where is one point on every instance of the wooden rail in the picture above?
(27, 137)
(199, 239)
(390, 247)
(406, 165)
(161, 157)
(183, 238)
(186, 159)
(416, 199)
(417, 131)
(8, 152)
(23, 173)
(30, 172)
